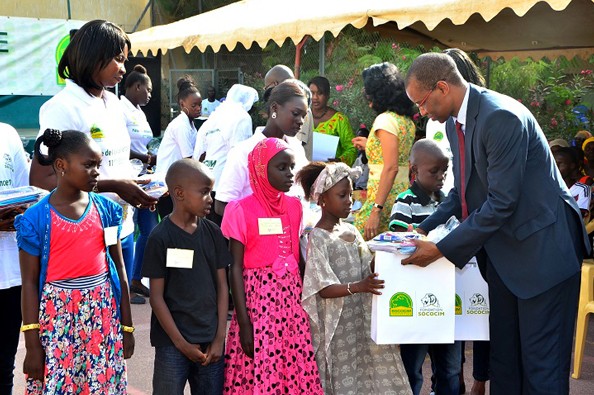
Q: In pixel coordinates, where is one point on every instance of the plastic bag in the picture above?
(441, 231)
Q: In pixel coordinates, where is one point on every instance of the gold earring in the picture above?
(274, 115)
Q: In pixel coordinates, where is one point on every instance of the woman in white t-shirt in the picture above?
(138, 88)
(180, 136)
(93, 61)
(14, 172)
(287, 108)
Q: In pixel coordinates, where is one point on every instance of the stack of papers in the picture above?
(394, 242)
(21, 196)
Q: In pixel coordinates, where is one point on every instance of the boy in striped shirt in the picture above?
(429, 166)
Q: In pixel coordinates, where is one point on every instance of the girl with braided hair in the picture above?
(75, 302)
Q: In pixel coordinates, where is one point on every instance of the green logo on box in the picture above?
(458, 305)
(401, 305)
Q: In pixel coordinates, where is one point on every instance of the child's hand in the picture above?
(129, 344)
(246, 337)
(214, 352)
(34, 364)
(193, 352)
(370, 284)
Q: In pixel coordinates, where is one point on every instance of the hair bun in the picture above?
(140, 69)
(185, 82)
(51, 137)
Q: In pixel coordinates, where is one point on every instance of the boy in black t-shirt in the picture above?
(185, 259)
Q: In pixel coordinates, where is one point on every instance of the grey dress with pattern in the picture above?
(349, 361)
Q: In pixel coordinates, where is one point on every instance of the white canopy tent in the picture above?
(496, 28)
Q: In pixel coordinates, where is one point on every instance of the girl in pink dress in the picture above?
(269, 348)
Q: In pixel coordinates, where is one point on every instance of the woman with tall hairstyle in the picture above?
(388, 146)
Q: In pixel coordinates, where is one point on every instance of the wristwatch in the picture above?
(378, 206)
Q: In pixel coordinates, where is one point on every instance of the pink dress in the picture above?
(284, 359)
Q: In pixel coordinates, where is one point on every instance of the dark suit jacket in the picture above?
(521, 213)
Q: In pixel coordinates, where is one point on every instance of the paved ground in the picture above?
(140, 367)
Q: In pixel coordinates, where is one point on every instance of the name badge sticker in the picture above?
(111, 235)
(270, 226)
(179, 258)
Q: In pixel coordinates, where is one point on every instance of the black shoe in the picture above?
(141, 290)
(137, 299)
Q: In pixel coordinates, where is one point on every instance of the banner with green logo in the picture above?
(30, 49)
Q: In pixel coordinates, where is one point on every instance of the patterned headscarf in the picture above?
(330, 176)
(270, 198)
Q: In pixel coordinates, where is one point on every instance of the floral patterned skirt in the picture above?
(80, 333)
(284, 361)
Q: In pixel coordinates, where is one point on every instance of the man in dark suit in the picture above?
(517, 217)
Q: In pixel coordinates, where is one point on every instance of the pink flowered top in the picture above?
(77, 248)
(240, 222)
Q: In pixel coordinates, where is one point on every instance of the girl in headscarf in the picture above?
(227, 126)
(337, 289)
(269, 346)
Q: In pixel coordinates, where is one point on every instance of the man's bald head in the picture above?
(431, 67)
(276, 75)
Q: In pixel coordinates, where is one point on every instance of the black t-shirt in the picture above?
(190, 294)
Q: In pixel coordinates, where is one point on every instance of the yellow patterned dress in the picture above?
(404, 129)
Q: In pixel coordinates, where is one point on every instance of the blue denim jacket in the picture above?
(34, 228)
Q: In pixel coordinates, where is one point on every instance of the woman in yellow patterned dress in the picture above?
(387, 147)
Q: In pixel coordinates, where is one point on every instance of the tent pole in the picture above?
(150, 2)
(322, 56)
(298, 49)
(488, 79)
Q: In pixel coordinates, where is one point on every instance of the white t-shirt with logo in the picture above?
(14, 172)
(139, 129)
(209, 107)
(103, 119)
(178, 142)
(216, 137)
(235, 181)
(436, 131)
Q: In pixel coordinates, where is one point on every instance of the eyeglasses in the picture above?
(424, 100)
(271, 85)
